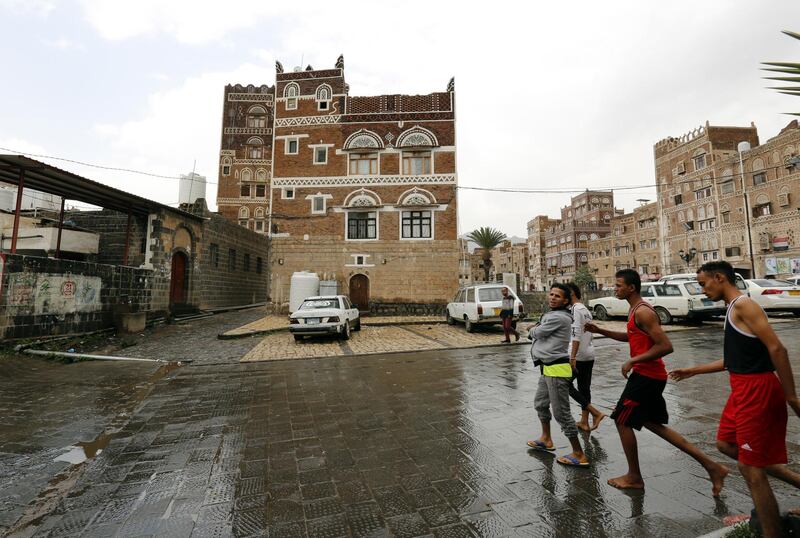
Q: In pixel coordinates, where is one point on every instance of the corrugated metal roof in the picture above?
(46, 178)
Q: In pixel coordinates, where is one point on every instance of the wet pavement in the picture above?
(416, 444)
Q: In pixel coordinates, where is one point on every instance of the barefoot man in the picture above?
(752, 429)
(642, 402)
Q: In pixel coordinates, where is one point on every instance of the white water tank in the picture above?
(303, 284)
(192, 187)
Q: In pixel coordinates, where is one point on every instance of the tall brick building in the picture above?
(536, 279)
(361, 190)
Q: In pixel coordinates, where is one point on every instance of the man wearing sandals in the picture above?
(550, 351)
(642, 402)
(582, 361)
(752, 429)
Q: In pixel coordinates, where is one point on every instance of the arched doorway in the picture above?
(359, 292)
(179, 281)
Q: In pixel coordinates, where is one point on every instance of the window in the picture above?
(214, 252)
(703, 193)
(246, 262)
(231, 259)
(362, 225)
(322, 105)
(762, 210)
(760, 178)
(257, 117)
(678, 198)
(259, 225)
(244, 224)
(783, 199)
(668, 290)
(647, 291)
(363, 164)
(318, 204)
(732, 251)
(291, 146)
(416, 163)
(287, 193)
(323, 96)
(255, 148)
(245, 191)
(261, 191)
(699, 161)
(320, 155)
(471, 295)
(226, 166)
(416, 224)
(259, 265)
(726, 188)
(291, 92)
(726, 217)
(709, 224)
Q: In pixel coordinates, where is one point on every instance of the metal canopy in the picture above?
(46, 178)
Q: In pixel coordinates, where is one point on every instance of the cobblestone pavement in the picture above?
(392, 339)
(421, 444)
(273, 322)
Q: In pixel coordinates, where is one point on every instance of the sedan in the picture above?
(775, 295)
(333, 314)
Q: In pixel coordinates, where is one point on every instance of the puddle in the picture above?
(80, 452)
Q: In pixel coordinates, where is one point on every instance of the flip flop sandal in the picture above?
(538, 445)
(572, 461)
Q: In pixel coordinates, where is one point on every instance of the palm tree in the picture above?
(790, 68)
(486, 238)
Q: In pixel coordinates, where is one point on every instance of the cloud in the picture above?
(40, 8)
(19, 146)
(64, 44)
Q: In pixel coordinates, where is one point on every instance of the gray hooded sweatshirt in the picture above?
(551, 336)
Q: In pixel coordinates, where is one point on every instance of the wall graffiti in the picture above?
(45, 293)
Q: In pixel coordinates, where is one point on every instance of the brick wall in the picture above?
(47, 296)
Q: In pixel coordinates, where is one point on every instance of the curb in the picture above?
(263, 332)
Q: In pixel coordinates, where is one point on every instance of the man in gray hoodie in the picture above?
(550, 351)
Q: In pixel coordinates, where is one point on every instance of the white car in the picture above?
(794, 280)
(670, 299)
(775, 295)
(480, 305)
(740, 282)
(330, 314)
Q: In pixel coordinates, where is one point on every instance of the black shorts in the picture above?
(642, 401)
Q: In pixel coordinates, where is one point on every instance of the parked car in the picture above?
(794, 280)
(329, 314)
(740, 282)
(671, 299)
(480, 305)
(775, 295)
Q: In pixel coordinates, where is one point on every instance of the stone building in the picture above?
(634, 243)
(536, 275)
(509, 257)
(586, 219)
(362, 190)
(718, 206)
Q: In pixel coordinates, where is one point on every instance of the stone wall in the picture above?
(48, 296)
(536, 302)
(112, 225)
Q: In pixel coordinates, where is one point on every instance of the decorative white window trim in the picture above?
(363, 140)
(325, 198)
(410, 194)
(363, 259)
(287, 144)
(316, 150)
(362, 194)
(284, 191)
(417, 137)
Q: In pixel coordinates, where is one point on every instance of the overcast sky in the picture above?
(557, 94)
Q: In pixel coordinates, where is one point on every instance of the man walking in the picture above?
(582, 362)
(507, 317)
(550, 351)
(642, 402)
(752, 428)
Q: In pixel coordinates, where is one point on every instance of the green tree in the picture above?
(486, 238)
(583, 277)
(790, 68)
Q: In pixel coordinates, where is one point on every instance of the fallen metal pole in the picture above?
(85, 356)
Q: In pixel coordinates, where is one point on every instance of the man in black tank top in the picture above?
(752, 429)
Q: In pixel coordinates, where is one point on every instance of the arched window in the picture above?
(758, 164)
(701, 213)
(362, 198)
(243, 213)
(690, 215)
(710, 210)
(261, 174)
(226, 166)
(257, 117)
(699, 159)
(417, 137)
(363, 139)
(291, 92)
(324, 94)
(255, 148)
(247, 175)
(259, 213)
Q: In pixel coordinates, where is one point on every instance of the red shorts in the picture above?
(754, 419)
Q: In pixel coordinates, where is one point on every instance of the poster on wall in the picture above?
(795, 265)
(770, 266)
(784, 265)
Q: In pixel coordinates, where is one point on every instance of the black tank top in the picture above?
(744, 353)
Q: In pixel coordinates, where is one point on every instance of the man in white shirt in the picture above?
(582, 361)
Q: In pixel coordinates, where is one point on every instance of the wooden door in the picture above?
(177, 291)
(359, 292)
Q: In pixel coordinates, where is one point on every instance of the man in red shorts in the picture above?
(752, 429)
(642, 402)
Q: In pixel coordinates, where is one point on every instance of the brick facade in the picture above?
(345, 171)
(536, 278)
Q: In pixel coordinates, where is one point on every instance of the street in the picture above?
(425, 443)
